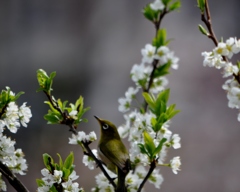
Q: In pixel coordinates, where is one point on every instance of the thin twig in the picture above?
(152, 167)
(89, 152)
(155, 61)
(12, 179)
(98, 162)
(208, 24)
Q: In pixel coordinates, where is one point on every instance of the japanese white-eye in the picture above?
(113, 152)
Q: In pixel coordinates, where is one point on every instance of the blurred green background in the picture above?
(92, 46)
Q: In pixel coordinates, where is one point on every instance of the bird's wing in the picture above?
(115, 151)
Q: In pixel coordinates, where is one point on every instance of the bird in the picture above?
(113, 152)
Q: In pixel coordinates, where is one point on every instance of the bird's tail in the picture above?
(122, 173)
(121, 187)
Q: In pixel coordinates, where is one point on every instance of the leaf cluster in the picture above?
(54, 116)
(66, 167)
(149, 147)
(201, 5)
(163, 113)
(45, 81)
(154, 15)
(6, 96)
(59, 111)
(158, 106)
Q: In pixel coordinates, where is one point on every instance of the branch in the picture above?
(158, 23)
(152, 167)
(69, 123)
(3, 110)
(154, 64)
(99, 163)
(12, 179)
(208, 24)
(54, 104)
(155, 61)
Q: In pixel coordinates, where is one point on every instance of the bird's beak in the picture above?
(99, 120)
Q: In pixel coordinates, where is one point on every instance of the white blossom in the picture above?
(124, 104)
(73, 176)
(175, 164)
(57, 176)
(221, 49)
(48, 177)
(131, 92)
(81, 136)
(12, 119)
(157, 5)
(73, 114)
(137, 72)
(70, 186)
(230, 69)
(159, 84)
(156, 178)
(89, 161)
(148, 53)
(161, 54)
(24, 114)
(176, 141)
(212, 59)
(44, 188)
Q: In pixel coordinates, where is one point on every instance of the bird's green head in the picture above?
(108, 129)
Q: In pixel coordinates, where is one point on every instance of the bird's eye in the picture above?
(105, 126)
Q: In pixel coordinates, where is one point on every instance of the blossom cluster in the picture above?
(133, 180)
(140, 73)
(14, 114)
(11, 157)
(136, 123)
(218, 58)
(49, 179)
(82, 137)
(137, 120)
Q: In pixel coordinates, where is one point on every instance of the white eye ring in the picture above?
(105, 126)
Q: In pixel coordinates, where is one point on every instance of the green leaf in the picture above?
(238, 64)
(175, 5)
(53, 189)
(150, 14)
(162, 70)
(18, 95)
(53, 118)
(201, 5)
(157, 126)
(149, 144)
(159, 147)
(68, 163)
(48, 161)
(165, 2)
(44, 81)
(164, 96)
(160, 108)
(203, 30)
(66, 173)
(142, 149)
(40, 182)
(171, 111)
(149, 99)
(60, 161)
(153, 121)
(160, 39)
